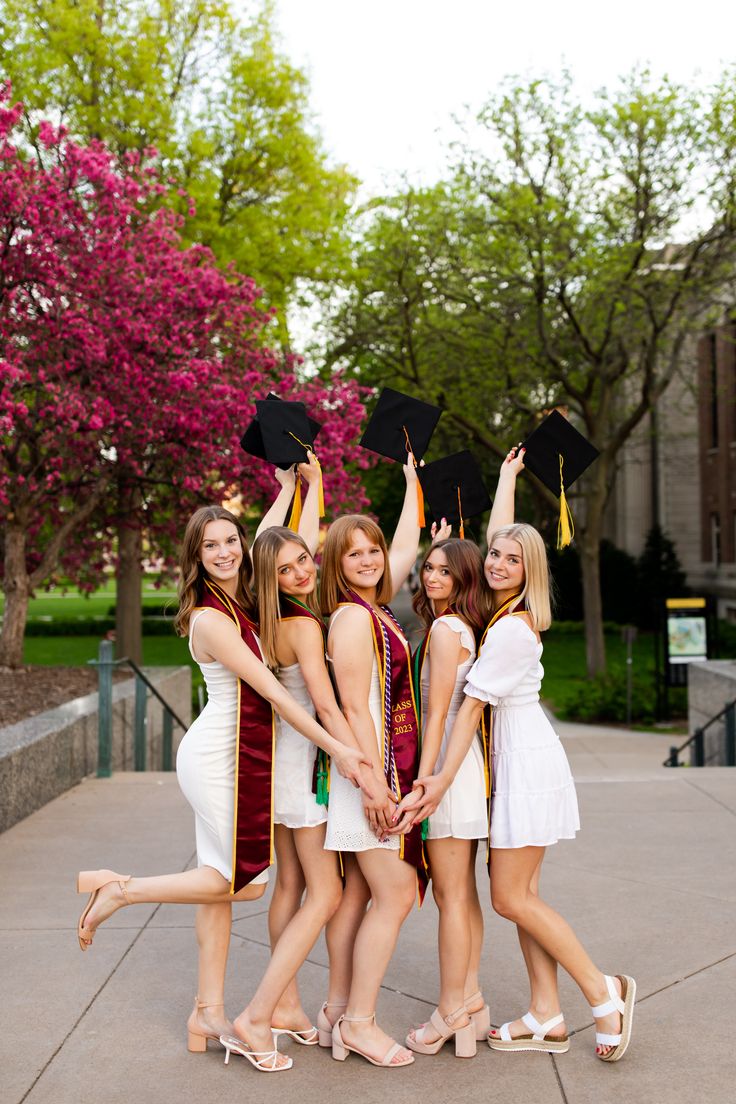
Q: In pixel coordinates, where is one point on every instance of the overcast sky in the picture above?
(387, 75)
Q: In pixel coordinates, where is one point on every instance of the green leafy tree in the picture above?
(567, 261)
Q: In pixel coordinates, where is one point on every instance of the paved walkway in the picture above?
(649, 885)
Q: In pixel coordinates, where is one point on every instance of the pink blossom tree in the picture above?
(128, 370)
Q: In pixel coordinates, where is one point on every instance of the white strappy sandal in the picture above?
(623, 1004)
(538, 1039)
(263, 1060)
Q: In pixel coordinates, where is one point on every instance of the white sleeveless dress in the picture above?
(347, 825)
(462, 812)
(534, 801)
(295, 806)
(205, 764)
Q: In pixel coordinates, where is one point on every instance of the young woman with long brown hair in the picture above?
(533, 802)
(372, 668)
(226, 779)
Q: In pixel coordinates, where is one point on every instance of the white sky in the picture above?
(388, 75)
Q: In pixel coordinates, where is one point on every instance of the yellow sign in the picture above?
(686, 603)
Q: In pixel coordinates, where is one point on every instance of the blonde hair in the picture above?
(192, 573)
(535, 592)
(265, 568)
(334, 587)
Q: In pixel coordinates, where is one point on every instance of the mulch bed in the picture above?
(25, 691)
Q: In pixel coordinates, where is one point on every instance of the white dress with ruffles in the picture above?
(534, 802)
(205, 764)
(462, 812)
(295, 806)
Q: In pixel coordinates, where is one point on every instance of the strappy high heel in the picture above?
(196, 1038)
(341, 1049)
(481, 1017)
(465, 1040)
(324, 1027)
(92, 881)
(262, 1060)
(308, 1036)
(624, 1005)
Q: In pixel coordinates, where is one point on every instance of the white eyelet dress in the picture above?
(295, 806)
(347, 825)
(205, 764)
(462, 812)
(534, 802)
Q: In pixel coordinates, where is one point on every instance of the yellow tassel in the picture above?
(296, 508)
(321, 488)
(565, 525)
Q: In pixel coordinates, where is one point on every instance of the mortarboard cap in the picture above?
(454, 488)
(278, 429)
(558, 455)
(399, 424)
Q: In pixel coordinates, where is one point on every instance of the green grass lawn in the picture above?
(70, 603)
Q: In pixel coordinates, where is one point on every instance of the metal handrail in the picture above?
(698, 739)
(105, 664)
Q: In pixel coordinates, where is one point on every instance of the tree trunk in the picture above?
(590, 562)
(17, 590)
(129, 578)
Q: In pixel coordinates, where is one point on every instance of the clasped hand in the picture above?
(379, 804)
(420, 803)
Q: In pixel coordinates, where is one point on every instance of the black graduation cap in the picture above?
(454, 488)
(400, 424)
(277, 430)
(558, 455)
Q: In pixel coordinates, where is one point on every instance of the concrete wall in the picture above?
(45, 755)
(711, 685)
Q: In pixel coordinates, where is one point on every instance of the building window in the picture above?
(713, 366)
(715, 539)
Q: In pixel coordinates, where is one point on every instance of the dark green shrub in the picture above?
(93, 626)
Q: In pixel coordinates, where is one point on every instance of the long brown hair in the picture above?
(334, 587)
(535, 593)
(469, 597)
(192, 573)
(265, 556)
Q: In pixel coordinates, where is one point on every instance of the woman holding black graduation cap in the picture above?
(534, 803)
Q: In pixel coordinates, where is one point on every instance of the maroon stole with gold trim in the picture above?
(289, 609)
(400, 732)
(254, 751)
(487, 719)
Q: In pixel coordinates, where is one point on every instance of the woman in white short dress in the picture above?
(215, 548)
(453, 605)
(533, 804)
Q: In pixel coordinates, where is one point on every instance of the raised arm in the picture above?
(219, 638)
(405, 544)
(503, 504)
(276, 515)
(309, 521)
(351, 648)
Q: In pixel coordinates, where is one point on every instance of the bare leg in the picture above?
(392, 883)
(449, 859)
(212, 925)
(322, 898)
(202, 886)
(340, 934)
(512, 871)
(475, 917)
(287, 898)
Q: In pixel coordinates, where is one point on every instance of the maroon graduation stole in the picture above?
(487, 718)
(291, 608)
(254, 754)
(400, 732)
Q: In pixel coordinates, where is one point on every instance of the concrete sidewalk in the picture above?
(649, 886)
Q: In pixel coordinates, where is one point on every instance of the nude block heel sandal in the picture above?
(324, 1027)
(196, 1038)
(481, 1017)
(92, 881)
(465, 1036)
(623, 1004)
(340, 1049)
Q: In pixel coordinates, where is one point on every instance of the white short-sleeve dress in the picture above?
(534, 802)
(205, 764)
(462, 812)
(295, 806)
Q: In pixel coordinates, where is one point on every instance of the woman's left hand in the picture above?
(410, 471)
(444, 532)
(405, 815)
(286, 478)
(310, 470)
(349, 762)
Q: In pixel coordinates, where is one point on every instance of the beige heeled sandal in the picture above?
(341, 1049)
(465, 1040)
(196, 1038)
(92, 881)
(324, 1027)
(481, 1017)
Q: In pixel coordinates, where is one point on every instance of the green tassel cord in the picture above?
(323, 777)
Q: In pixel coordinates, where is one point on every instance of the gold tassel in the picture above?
(460, 512)
(565, 525)
(321, 490)
(296, 507)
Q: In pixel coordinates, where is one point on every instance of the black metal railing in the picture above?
(728, 714)
(106, 664)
